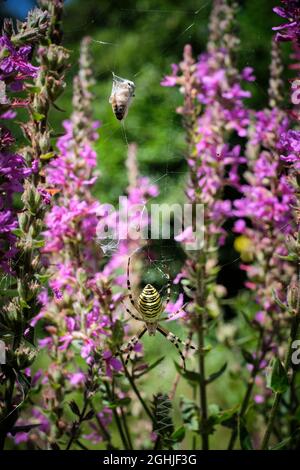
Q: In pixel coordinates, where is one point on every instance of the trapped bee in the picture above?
(121, 96)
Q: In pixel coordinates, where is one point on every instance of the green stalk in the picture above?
(202, 386)
(136, 391)
(278, 395)
(203, 395)
(127, 432)
(77, 425)
(248, 393)
(110, 394)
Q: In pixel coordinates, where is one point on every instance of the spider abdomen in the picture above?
(150, 304)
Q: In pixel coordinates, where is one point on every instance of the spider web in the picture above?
(161, 254)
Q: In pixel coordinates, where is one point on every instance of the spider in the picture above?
(150, 308)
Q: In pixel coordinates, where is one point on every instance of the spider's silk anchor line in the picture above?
(105, 42)
(124, 133)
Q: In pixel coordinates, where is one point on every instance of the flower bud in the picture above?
(12, 317)
(44, 142)
(292, 297)
(24, 356)
(292, 244)
(31, 197)
(23, 220)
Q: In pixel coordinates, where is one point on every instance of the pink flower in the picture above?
(78, 378)
(112, 363)
(173, 308)
(259, 399)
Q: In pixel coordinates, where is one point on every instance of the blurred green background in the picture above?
(147, 36)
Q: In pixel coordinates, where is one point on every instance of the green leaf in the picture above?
(191, 376)
(42, 278)
(37, 116)
(25, 383)
(293, 257)
(18, 232)
(74, 407)
(190, 414)
(225, 417)
(23, 303)
(206, 349)
(244, 436)
(278, 301)
(217, 374)
(179, 434)
(33, 89)
(39, 243)
(248, 357)
(282, 444)
(9, 292)
(199, 310)
(47, 156)
(246, 318)
(278, 379)
(122, 402)
(4, 53)
(90, 414)
(152, 366)
(117, 333)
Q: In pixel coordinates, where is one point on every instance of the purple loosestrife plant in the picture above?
(288, 144)
(290, 30)
(213, 112)
(267, 198)
(83, 319)
(64, 268)
(80, 315)
(15, 69)
(26, 265)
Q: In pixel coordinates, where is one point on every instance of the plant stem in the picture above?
(244, 407)
(136, 391)
(202, 388)
(127, 432)
(247, 396)
(278, 395)
(77, 425)
(120, 429)
(203, 397)
(103, 429)
(117, 419)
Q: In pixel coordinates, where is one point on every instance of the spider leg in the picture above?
(131, 344)
(175, 340)
(174, 314)
(129, 285)
(131, 314)
(168, 290)
(171, 335)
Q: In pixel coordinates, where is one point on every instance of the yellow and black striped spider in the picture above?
(150, 309)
